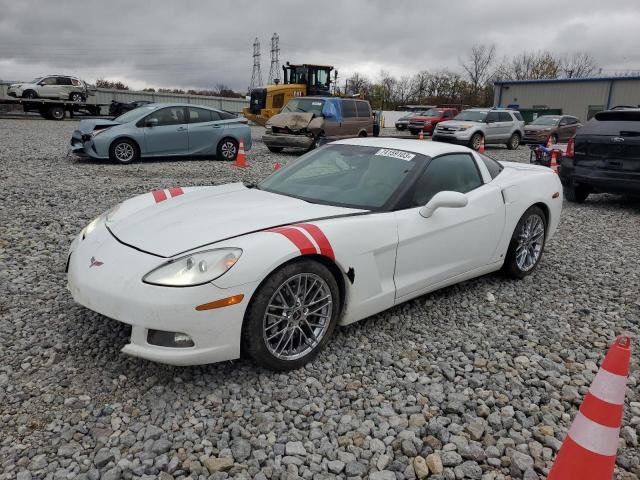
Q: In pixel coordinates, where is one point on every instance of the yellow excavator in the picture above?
(299, 81)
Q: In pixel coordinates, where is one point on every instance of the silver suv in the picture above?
(495, 125)
(59, 87)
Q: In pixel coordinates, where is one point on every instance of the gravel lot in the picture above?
(479, 380)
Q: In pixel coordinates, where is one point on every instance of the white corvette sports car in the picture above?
(204, 274)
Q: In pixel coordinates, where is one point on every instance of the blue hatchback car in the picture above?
(161, 129)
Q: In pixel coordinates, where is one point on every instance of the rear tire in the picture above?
(275, 149)
(576, 194)
(227, 149)
(278, 314)
(124, 151)
(56, 113)
(527, 244)
(514, 142)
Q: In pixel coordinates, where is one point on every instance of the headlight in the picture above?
(194, 269)
(95, 133)
(463, 128)
(90, 227)
(268, 127)
(428, 122)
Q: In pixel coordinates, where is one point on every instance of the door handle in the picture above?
(181, 129)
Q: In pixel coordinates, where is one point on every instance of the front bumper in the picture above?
(115, 289)
(284, 140)
(415, 128)
(12, 93)
(605, 181)
(82, 145)
(459, 136)
(537, 138)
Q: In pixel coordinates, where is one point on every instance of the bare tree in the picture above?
(530, 65)
(477, 65)
(357, 84)
(401, 90)
(420, 85)
(578, 65)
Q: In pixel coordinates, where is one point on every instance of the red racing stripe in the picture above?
(298, 238)
(175, 191)
(159, 195)
(320, 238)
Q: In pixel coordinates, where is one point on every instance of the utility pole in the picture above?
(256, 75)
(274, 71)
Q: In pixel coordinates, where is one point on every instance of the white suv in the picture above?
(495, 125)
(59, 87)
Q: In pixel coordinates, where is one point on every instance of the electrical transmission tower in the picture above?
(256, 75)
(274, 71)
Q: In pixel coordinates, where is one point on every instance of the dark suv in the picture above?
(604, 156)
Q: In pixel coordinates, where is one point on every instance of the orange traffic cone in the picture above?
(550, 141)
(277, 166)
(241, 158)
(421, 135)
(589, 450)
(481, 148)
(553, 165)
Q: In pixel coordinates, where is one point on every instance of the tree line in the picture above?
(472, 84)
(220, 90)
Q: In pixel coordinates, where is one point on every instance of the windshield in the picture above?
(432, 113)
(36, 80)
(409, 116)
(546, 121)
(345, 175)
(471, 116)
(304, 105)
(133, 114)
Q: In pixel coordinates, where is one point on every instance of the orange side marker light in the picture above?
(223, 302)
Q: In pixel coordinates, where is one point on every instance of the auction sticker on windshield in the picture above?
(387, 152)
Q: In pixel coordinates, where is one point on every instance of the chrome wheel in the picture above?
(76, 97)
(297, 317)
(124, 152)
(530, 243)
(475, 142)
(228, 150)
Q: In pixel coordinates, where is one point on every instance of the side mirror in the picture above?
(152, 122)
(445, 199)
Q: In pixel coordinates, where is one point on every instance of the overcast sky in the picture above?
(201, 43)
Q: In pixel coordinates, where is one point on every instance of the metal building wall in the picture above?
(625, 93)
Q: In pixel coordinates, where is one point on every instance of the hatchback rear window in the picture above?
(618, 116)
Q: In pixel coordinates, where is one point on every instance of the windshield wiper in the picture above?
(301, 109)
(251, 185)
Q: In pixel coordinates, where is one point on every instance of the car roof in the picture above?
(428, 148)
(162, 105)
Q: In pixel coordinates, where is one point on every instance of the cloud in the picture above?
(202, 43)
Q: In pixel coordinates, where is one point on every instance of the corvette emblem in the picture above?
(94, 262)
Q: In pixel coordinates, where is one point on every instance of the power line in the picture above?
(274, 71)
(256, 75)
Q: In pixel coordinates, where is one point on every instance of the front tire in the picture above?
(475, 140)
(291, 316)
(56, 113)
(275, 149)
(576, 194)
(527, 244)
(29, 94)
(514, 142)
(124, 151)
(76, 97)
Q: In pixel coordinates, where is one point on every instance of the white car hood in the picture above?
(205, 215)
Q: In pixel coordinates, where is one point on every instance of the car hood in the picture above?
(457, 123)
(205, 215)
(89, 125)
(292, 120)
(422, 118)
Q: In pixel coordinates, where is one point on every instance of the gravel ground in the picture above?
(479, 380)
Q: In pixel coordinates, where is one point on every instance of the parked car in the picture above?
(403, 122)
(604, 156)
(205, 274)
(307, 122)
(118, 108)
(495, 125)
(559, 127)
(427, 121)
(59, 87)
(162, 129)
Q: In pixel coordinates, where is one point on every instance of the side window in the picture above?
(278, 100)
(364, 111)
(49, 81)
(492, 117)
(349, 108)
(199, 115)
(504, 117)
(169, 116)
(226, 115)
(455, 172)
(64, 81)
(494, 167)
(518, 116)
